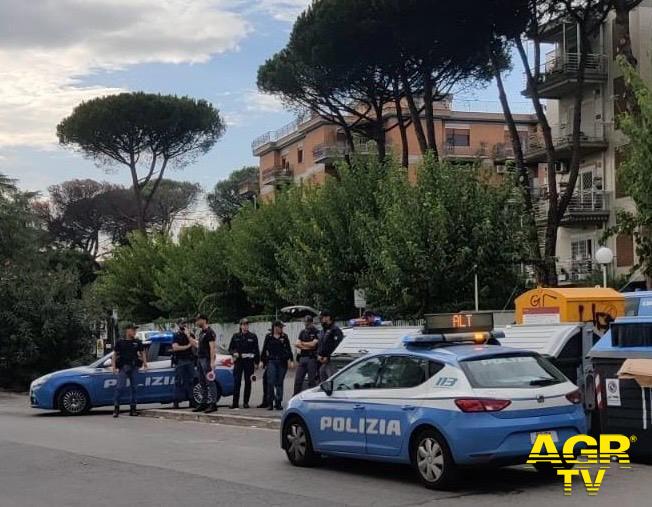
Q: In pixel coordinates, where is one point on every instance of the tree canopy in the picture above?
(145, 132)
(227, 199)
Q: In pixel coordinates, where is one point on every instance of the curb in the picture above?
(216, 418)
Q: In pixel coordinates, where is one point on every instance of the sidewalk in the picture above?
(252, 417)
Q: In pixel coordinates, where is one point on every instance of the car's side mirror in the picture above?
(327, 387)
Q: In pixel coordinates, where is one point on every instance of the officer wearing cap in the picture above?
(330, 338)
(206, 362)
(128, 356)
(307, 357)
(246, 358)
(277, 355)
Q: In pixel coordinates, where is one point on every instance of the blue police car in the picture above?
(77, 390)
(438, 402)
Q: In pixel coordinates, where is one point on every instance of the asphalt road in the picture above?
(50, 460)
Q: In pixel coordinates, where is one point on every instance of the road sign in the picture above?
(360, 298)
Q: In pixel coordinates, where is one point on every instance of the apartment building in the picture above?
(306, 151)
(598, 194)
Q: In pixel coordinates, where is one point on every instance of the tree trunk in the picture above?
(429, 112)
(577, 132)
(140, 218)
(416, 116)
(405, 152)
(624, 49)
(549, 269)
(524, 178)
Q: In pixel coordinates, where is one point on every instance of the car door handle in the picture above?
(358, 407)
(408, 408)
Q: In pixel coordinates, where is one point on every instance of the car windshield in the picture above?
(512, 371)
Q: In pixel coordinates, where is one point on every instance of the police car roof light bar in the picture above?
(431, 340)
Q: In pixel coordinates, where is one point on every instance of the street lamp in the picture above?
(604, 256)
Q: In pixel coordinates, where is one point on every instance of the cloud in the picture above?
(262, 102)
(283, 10)
(49, 46)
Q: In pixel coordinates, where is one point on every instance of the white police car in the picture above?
(438, 402)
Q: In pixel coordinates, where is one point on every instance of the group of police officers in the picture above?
(195, 356)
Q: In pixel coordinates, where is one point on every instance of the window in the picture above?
(582, 250)
(458, 137)
(404, 372)
(624, 251)
(363, 375)
(512, 371)
(300, 156)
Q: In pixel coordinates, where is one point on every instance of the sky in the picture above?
(56, 53)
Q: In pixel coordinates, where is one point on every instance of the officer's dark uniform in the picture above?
(276, 354)
(244, 348)
(127, 363)
(330, 338)
(210, 391)
(184, 369)
(307, 360)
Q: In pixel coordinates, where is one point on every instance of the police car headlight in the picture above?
(40, 381)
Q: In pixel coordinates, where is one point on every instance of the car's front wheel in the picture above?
(297, 444)
(74, 401)
(432, 460)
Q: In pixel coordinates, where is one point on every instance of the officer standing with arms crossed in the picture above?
(277, 355)
(307, 357)
(129, 355)
(330, 338)
(206, 350)
(184, 366)
(246, 358)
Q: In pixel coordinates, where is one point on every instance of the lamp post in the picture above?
(604, 256)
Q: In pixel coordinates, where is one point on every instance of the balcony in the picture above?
(329, 153)
(586, 207)
(277, 176)
(592, 140)
(503, 151)
(248, 188)
(464, 153)
(558, 75)
(572, 271)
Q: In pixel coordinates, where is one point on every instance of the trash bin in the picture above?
(624, 401)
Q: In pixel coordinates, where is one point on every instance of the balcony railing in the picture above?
(277, 175)
(575, 270)
(559, 73)
(336, 151)
(592, 139)
(585, 206)
(502, 151)
(466, 151)
(275, 135)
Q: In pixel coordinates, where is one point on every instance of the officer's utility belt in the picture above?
(247, 356)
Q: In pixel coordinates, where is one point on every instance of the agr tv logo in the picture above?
(584, 452)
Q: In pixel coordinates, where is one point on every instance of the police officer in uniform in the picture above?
(277, 354)
(184, 365)
(307, 357)
(129, 355)
(330, 338)
(246, 359)
(206, 361)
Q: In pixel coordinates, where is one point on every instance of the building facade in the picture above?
(306, 151)
(598, 194)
